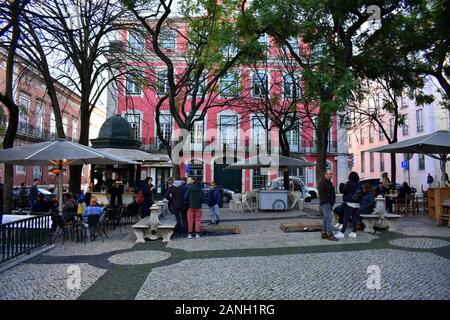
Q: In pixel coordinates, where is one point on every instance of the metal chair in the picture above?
(94, 226)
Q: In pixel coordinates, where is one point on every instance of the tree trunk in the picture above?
(8, 142)
(285, 151)
(175, 171)
(75, 171)
(393, 169)
(322, 145)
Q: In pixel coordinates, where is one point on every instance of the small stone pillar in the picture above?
(160, 205)
(166, 206)
(154, 222)
(380, 206)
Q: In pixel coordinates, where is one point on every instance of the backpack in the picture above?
(139, 198)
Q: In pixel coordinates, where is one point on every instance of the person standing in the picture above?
(175, 195)
(34, 192)
(147, 189)
(351, 195)
(213, 203)
(327, 196)
(115, 194)
(430, 181)
(194, 195)
(23, 196)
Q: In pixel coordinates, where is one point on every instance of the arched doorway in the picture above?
(229, 179)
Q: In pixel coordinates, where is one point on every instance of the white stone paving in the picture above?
(46, 282)
(139, 257)
(340, 275)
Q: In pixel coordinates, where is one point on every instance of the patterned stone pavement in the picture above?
(260, 263)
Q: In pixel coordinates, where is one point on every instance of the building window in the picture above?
(168, 39)
(258, 132)
(165, 121)
(259, 181)
(162, 86)
(372, 162)
(349, 141)
(371, 134)
(293, 137)
(196, 169)
(421, 161)
(419, 120)
(24, 111)
(391, 128)
(448, 119)
(264, 41)
(134, 119)
(381, 162)
(363, 164)
(136, 41)
(201, 86)
(52, 125)
(229, 85)
(230, 51)
(361, 135)
(291, 86)
(74, 129)
(134, 82)
(380, 134)
(405, 127)
(20, 169)
(260, 85)
(40, 114)
(228, 130)
(294, 44)
(65, 127)
(197, 133)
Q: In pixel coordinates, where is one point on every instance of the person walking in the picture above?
(34, 191)
(213, 203)
(430, 181)
(147, 189)
(194, 195)
(327, 196)
(351, 195)
(175, 195)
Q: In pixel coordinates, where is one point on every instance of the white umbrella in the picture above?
(59, 153)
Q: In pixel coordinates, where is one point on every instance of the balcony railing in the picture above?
(29, 131)
(239, 145)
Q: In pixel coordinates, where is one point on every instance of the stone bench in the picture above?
(380, 221)
(159, 225)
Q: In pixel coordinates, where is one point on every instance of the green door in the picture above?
(229, 179)
(161, 175)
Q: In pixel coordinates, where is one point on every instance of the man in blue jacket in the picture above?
(213, 203)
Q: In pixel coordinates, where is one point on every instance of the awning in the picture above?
(137, 155)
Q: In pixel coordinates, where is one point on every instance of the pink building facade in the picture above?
(227, 133)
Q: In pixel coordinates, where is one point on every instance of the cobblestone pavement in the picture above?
(260, 263)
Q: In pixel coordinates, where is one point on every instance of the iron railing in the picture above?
(22, 236)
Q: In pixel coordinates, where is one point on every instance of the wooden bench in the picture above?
(444, 213)
(306, 225)
(159, 225)
(223, 228)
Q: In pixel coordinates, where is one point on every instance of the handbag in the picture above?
(139, 198)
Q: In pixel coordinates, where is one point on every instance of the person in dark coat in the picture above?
(147, 189)
(34, 191)
(367, 204)
(404, 191)
(23, 196)
(194, 197)
(175, 195)
(40, 205)
(116, 192)
(327, 196)
(350, 191)
(213, 203)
